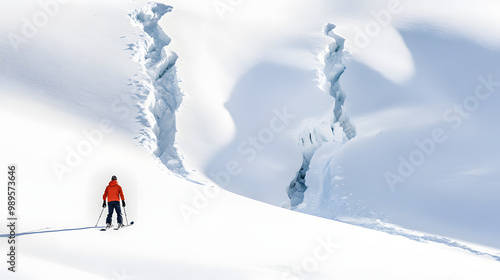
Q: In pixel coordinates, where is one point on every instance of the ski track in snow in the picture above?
(157, 86)
(335, 128)
(48, 230)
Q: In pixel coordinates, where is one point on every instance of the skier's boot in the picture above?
(120, 225)
(108, 226)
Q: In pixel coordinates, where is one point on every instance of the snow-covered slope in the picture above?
(185, 230)
(401, 84)
(425, 156)
(410, 65)
(85, 85)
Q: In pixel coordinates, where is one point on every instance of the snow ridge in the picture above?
(378, 225)
(157, 86)
(335, 127)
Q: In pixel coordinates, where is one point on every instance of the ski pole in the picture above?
(99, 217)
(124, 211)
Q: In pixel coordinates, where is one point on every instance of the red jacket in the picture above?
(113, 192)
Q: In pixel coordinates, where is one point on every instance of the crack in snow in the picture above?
(337, 127)
(159, 87)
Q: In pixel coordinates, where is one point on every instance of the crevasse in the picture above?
(158, 86)
(334, 127)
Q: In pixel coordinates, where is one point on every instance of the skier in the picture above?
(113, 192)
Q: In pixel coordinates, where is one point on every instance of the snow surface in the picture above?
(398, 90)
(227, 237)
(172, 99)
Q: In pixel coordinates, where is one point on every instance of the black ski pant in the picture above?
(114, 205)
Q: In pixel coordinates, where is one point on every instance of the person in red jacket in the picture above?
(113, 192)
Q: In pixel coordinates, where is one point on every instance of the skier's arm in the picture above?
(105, 194)
(121, 194)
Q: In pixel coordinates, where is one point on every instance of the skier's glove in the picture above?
(104, 204)
(123, 203)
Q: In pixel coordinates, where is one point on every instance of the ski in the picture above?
(131, 223)
(106, 228)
